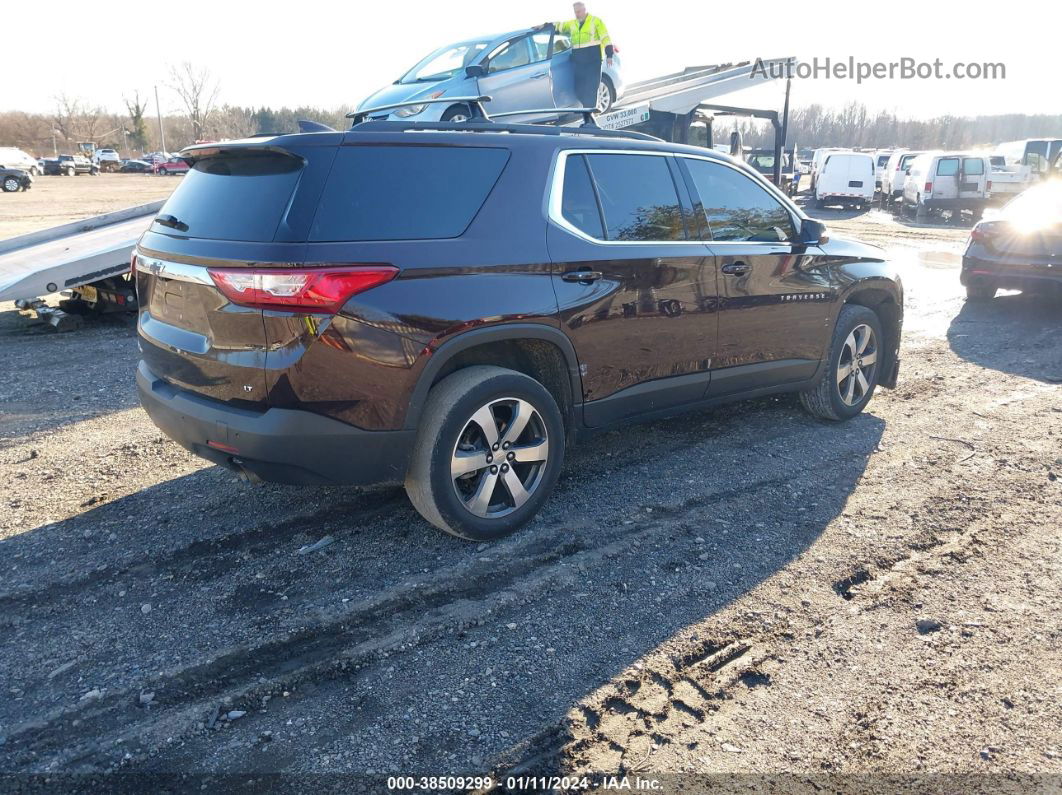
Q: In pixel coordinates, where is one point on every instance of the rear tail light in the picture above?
(929, 187)
(321, 290)
(982, 233)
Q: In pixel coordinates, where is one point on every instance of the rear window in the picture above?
(883, 160)
(948, 167)
(405, 192)
(235, 198)
(973, 165)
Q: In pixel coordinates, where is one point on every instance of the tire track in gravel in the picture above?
(406, 614)
(190, 557)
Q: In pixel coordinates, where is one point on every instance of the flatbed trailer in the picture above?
(88, 258)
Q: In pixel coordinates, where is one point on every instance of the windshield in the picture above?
(445, 62)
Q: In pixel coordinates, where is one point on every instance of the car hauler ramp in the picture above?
(680, 93)
(73, 255)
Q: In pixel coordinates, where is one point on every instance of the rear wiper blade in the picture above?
(172, 222)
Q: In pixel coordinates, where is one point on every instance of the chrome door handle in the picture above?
(736, 268)
(539, 76)
(582, 276)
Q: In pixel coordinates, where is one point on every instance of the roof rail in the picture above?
(475, 104)
(490, 126)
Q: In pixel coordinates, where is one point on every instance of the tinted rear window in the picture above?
(405, 192)
(638, 196)
(235, 198)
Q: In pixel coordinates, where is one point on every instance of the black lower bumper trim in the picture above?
(277, 445)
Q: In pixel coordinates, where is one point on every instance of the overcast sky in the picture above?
(334, 54)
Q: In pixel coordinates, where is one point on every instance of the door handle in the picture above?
(539, 76)
(582, 276)
(736, 268)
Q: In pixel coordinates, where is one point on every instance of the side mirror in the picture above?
(475, 70)
(813, 233)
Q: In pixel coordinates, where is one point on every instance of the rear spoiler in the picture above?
(197, 152)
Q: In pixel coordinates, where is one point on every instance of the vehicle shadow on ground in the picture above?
(1012, 333)
(651, 530)
(63, 377)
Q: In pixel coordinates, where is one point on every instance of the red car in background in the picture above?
(171, 166)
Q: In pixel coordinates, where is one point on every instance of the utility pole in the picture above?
(158, 110)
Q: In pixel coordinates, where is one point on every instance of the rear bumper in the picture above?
(1010, 276)
(277, 445)
(955, 204)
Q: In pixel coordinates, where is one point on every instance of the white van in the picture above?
(951, 181)
(894, 174)
(817, 158)
(881, 159)
(10, 157)
(845, 178)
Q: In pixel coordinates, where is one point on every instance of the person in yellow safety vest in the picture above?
(590, 41)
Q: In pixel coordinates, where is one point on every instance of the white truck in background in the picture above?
(1007, 180)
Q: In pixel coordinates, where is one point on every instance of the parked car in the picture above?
(136, 167)
(11, 157)
(1021, 249)
(15, 179)
(894, 174)
(845, 178)
(70, 165)
(525, 289)
(107, 159)
(953, 182)
(173, 166)
(522, 70)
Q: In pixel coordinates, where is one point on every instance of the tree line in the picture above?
(854, 126)
(201, 116)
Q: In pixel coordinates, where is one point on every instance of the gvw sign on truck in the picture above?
(624, 117)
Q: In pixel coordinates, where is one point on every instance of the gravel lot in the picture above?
(742, 590)
(57, 200)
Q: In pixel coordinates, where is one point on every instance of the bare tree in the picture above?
(76, 121)
(138, 135)
(198, 90)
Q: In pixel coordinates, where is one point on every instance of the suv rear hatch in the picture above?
(229, 213)
(261, 245)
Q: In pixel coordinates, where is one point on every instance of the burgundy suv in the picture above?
(451, 307)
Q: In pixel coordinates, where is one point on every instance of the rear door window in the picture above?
(405, 192)
(235, 198)
(973, 165)
(948, 167)
(638, 197)
(578, 203)
(737, 208)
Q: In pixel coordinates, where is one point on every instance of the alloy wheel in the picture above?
(500, 457)
(604, 97)
(11, 184)
(857, 364)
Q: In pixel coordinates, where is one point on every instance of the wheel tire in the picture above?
(447, 419)
(980, 291)
(607, 85)
(921, 214)
(457, 113)
(11, 184)
(824, 400)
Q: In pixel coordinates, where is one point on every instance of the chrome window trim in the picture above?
(178, 271)
(555, 201)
